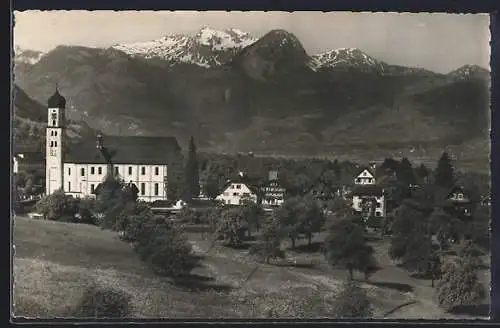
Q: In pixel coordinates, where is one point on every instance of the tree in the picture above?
(444, 175)
(411, 242)
(191, 175)
(231, 227)
(268, 244)
(55, 206)
(480, 227)
(352, 302)
(390, 165)
(252, 213)
(289, 220)
(346, 246)
(459, 284)
(405, 173)
(310, 217)
(164, 248)
(422, 173)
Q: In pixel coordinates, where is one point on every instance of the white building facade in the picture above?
(147, 162)
(235, 193)
(367, 193)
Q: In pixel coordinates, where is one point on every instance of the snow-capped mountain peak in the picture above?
(344, 58)
(207, 48)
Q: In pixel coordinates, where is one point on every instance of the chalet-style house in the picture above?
(273, 194)
(367, 193)
(458, 203)
(238, 190)
(147, 162)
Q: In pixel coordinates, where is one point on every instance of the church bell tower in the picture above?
(54, 178)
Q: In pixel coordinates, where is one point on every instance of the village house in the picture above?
(272, 191)
(458, 203)
(147, 162)
(237, 191)
(366, 193)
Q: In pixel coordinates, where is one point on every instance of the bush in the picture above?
(459, 284)
(103, 302)
(231, 227)
(352, 302)
(164, 248)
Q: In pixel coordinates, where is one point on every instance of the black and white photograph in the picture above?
(250, 165)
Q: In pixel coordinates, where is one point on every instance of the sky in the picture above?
(439, 42)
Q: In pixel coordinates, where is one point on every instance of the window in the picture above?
(235, 194)
(52, 144)
(92, 170)
(246, 194)
(156, 189)
(116, 170)
(358, 180)
(157, 170)
(143, 170)
(229, 201)
(232, 186)
(143, 188)
(378, 214)
(55, 143)
(379, 205)
(130, 170)
(54, 122)
(99, 170)
(51, 133)
(69, 186)
(82, 172)
(238, 186)
(69, 170)
(92, 188)
(55, 133)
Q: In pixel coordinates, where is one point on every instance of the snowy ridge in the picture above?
(207, 48)
(344, 58)
(26, 56)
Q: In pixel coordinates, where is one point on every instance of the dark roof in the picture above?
(368, 190)
(127, 149)
(56, 101)
(247, 181)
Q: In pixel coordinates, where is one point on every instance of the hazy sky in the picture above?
(440, 42)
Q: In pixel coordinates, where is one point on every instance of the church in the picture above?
(77, 169)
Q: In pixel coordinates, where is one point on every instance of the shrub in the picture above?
(459, 284)
(231, 227)
(352, 302)
(164, 248)
(103, 302)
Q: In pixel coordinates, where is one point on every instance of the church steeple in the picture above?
(56, 100)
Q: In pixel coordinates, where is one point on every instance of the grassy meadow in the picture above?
(55, 262)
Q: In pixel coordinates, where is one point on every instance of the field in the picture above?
(54, 262)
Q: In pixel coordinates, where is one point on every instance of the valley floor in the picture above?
(54, 263)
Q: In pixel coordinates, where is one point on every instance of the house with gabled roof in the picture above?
(237, 190)
(147, 162)
(366, 193)
(458, 202)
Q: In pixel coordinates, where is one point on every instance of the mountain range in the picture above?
(237, 93)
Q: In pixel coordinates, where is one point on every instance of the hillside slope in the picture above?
(268, 97)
